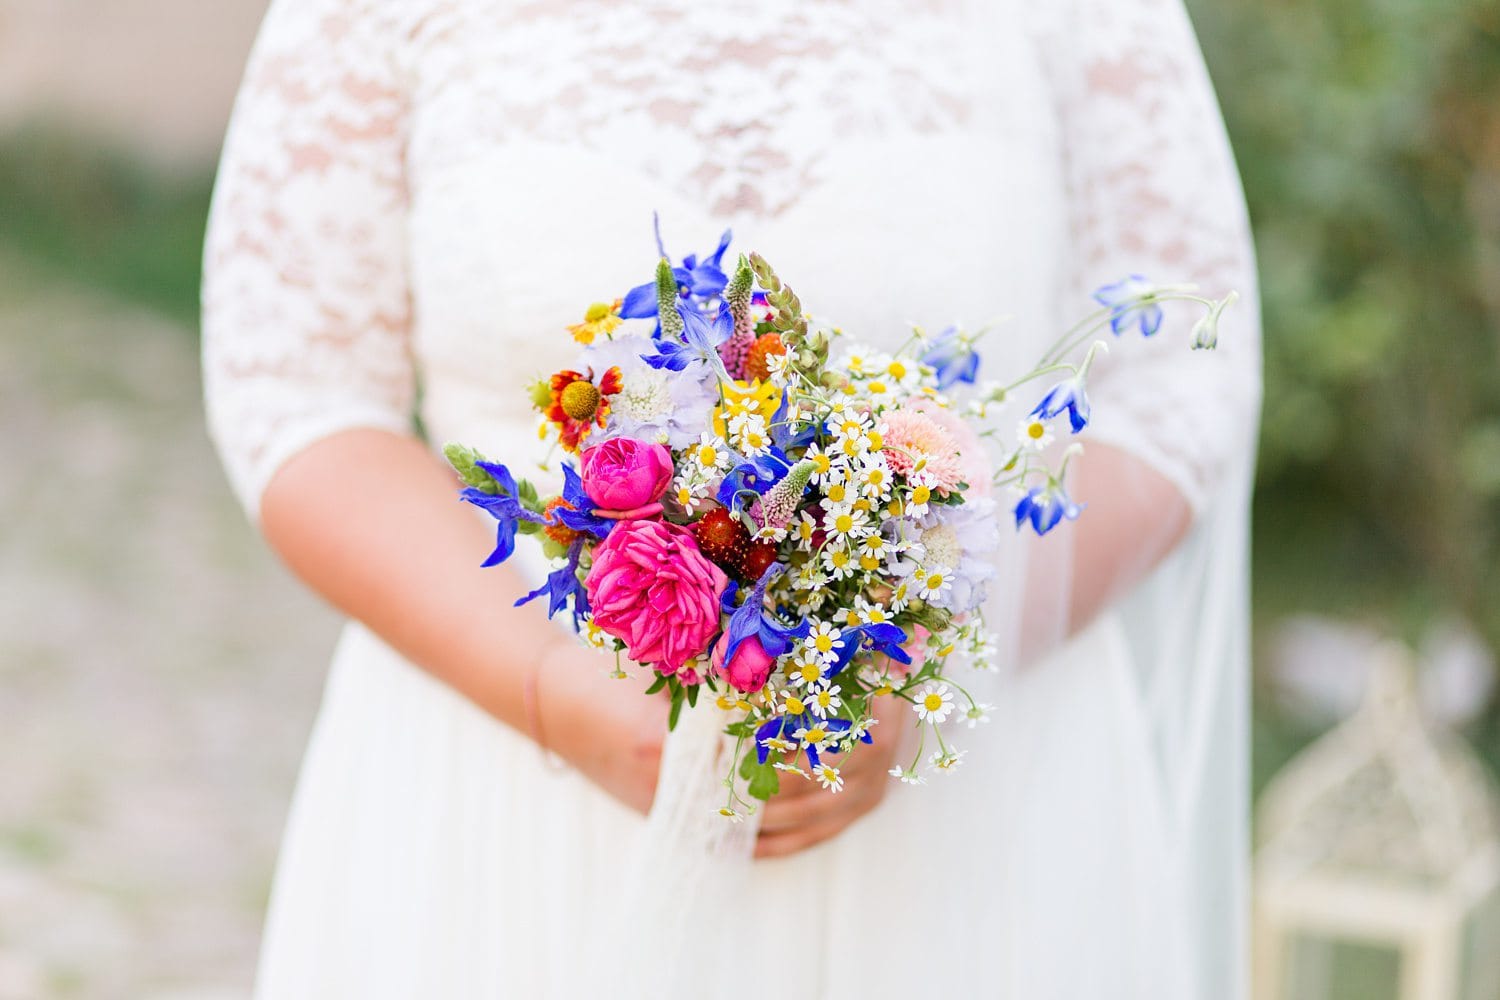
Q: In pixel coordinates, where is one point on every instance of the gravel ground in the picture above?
(150, 727)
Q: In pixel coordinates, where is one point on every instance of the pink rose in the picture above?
(626, 475)
(750, 667)
(653, 590)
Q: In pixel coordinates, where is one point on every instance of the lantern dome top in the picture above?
(1385, 796)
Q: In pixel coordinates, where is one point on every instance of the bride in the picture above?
(415, 197)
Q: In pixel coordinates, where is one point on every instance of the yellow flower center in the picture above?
(835, 492)
(815, 735)
(794, 705)
(852, 617)
(876, 441)
(1036, 430)
(580, 400)
(810, 672)
(823, 643)
(897, 370)
(708, 455)
(934, 581)
(843, 524)
(869, 563)
(821, 464)
(932, 702)
(921, 494)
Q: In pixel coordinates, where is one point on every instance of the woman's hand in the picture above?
(600, 724)
(804, 813)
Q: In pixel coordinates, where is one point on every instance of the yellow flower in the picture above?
(754, 396)
(600, 318)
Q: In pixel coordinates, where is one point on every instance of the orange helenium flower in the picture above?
(578, 403)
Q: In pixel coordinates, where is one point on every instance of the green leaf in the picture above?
(748, 764)
(677, 699)
(658, 684)
(765, 781)
(692, 696)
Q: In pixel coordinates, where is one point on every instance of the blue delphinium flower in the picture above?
(1124, 298)
(1067, 395)
(753, 477)
(504, 506)
(752, 619)
(700, 341)
(701, 281)
(953, 357)
(1045, 508)
(883, 638)
(579, 514)
(563, 583)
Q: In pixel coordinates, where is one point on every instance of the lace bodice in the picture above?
(422, 191)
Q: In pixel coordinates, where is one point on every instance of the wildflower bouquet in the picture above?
(764, 508)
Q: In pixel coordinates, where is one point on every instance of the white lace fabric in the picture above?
(424, 192)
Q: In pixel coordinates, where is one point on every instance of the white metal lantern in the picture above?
(1383, 837)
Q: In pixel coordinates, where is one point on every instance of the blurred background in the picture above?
(148, 769)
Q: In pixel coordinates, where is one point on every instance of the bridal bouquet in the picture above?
(775, 512)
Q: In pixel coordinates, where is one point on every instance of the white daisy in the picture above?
(908, 775)
(978, 714)
(946, 760)
(829, 777)
(1034, 433)
(934, 703)
(824, 701)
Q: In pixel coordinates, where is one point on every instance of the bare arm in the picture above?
(406, 563)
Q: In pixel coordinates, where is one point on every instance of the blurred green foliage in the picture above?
(1368, 135)
(104, 219)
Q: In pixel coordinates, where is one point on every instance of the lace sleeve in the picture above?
(1153, 189)
(305, 299)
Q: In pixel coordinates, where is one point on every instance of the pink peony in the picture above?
(626, 475)
(750, 667)
(653, 590)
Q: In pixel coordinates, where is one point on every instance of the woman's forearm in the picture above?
(371, 521)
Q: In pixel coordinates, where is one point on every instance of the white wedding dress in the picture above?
(426, 192)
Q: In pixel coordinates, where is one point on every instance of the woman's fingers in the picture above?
(780, 845)
(785, 813)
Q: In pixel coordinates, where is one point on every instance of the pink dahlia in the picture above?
(914, 435)
(653, 590)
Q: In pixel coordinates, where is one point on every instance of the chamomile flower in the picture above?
(861, 728)
(870, 613)
(872, 550)
(593, 635)
(778, 743)
(836, 489)
(838, 560)
(749, 434)
(908, 775)
(791, 704)
(946, 760)
(816, 736)
(931, 584)
(828, 776)
(806, 669)
(978, 714)
(825, 641)
(872, 477)
(934, 703)
(900, 597)
(731, 815)
(782, 765)
(827, 467)
(1032, 432)
(847, 523)
(711, 454)
(824, 701)
(920, 496)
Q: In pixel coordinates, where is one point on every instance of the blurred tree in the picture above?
(1368, 133)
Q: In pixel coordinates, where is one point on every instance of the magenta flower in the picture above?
(653, 590)
(750, 667)
(624, 476)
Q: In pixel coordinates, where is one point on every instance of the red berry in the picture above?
(720, 535)
(757, 557)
